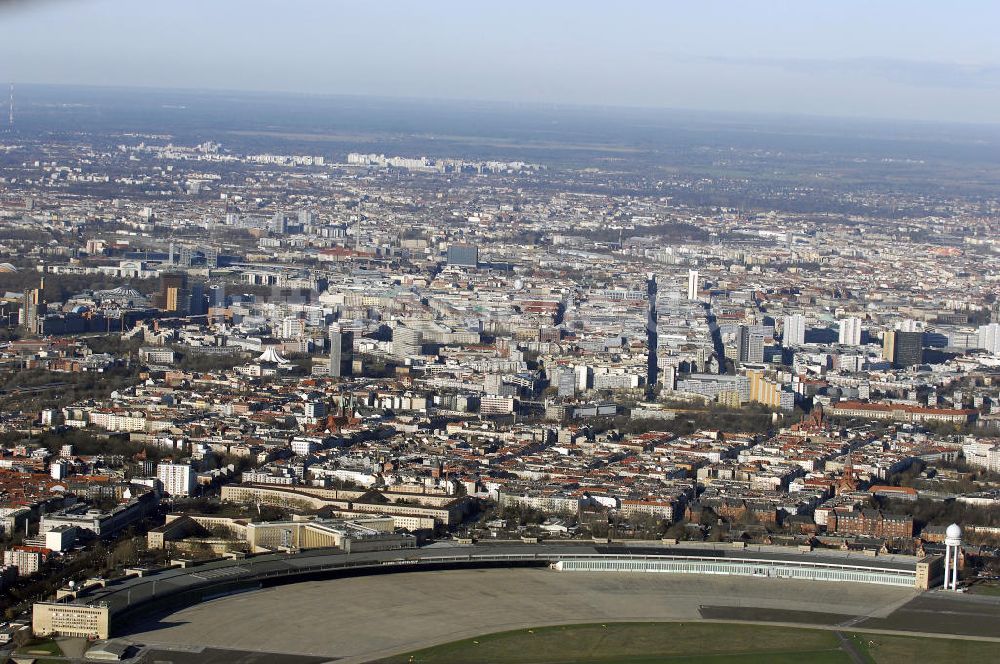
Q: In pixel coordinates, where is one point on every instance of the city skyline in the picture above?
(457, 291)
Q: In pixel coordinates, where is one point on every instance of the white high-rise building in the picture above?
(177, 478)
(755, 348)
(406, 341)
(692, 284)
(669, 378)
(983, 454)
(989, 338)
(850, 331)
(794, 330)
(292, 328)
(27, 559)
(315, 409)
(58, 470)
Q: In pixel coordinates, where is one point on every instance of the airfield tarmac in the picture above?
(365, 618)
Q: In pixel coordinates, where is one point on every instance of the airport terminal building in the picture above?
(97, 610)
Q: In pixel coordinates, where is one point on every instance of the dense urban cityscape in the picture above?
(251, 340)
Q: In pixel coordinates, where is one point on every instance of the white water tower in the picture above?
(952, 549)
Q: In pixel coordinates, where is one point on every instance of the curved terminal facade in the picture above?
(807, 571)
(97, 610)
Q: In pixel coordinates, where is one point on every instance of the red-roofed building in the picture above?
(903, 412)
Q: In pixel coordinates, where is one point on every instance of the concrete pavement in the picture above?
(360, 619)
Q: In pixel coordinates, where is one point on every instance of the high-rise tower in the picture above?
(652, 370)
(889, 346)
(908, 349)
(850, 331)
(33, 309)
(341, 352)
(173, 295)
(794, 330)
(692, 284)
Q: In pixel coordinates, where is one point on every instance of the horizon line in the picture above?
(552, 105)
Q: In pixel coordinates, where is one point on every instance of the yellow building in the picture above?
(729, 398)
(173, 299)
(889, 345)
(764, 390)
(61, 619)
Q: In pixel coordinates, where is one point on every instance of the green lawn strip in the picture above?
(884, 649)
(861, 641)
(49, 647)
(797, 657)
(983, 589)
(786, 657)
(694, 642)
(629, 642)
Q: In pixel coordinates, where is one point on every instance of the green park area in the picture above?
(704, 643)
(883, 649)
(41, 651)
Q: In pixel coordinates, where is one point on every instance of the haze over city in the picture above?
(892, 59)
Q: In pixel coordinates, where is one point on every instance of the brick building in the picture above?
(869, 523)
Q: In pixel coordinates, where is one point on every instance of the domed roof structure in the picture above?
(126, 291)
(123, 295)
(954, 531)
(270, 355)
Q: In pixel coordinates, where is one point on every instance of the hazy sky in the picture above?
(922, 59)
